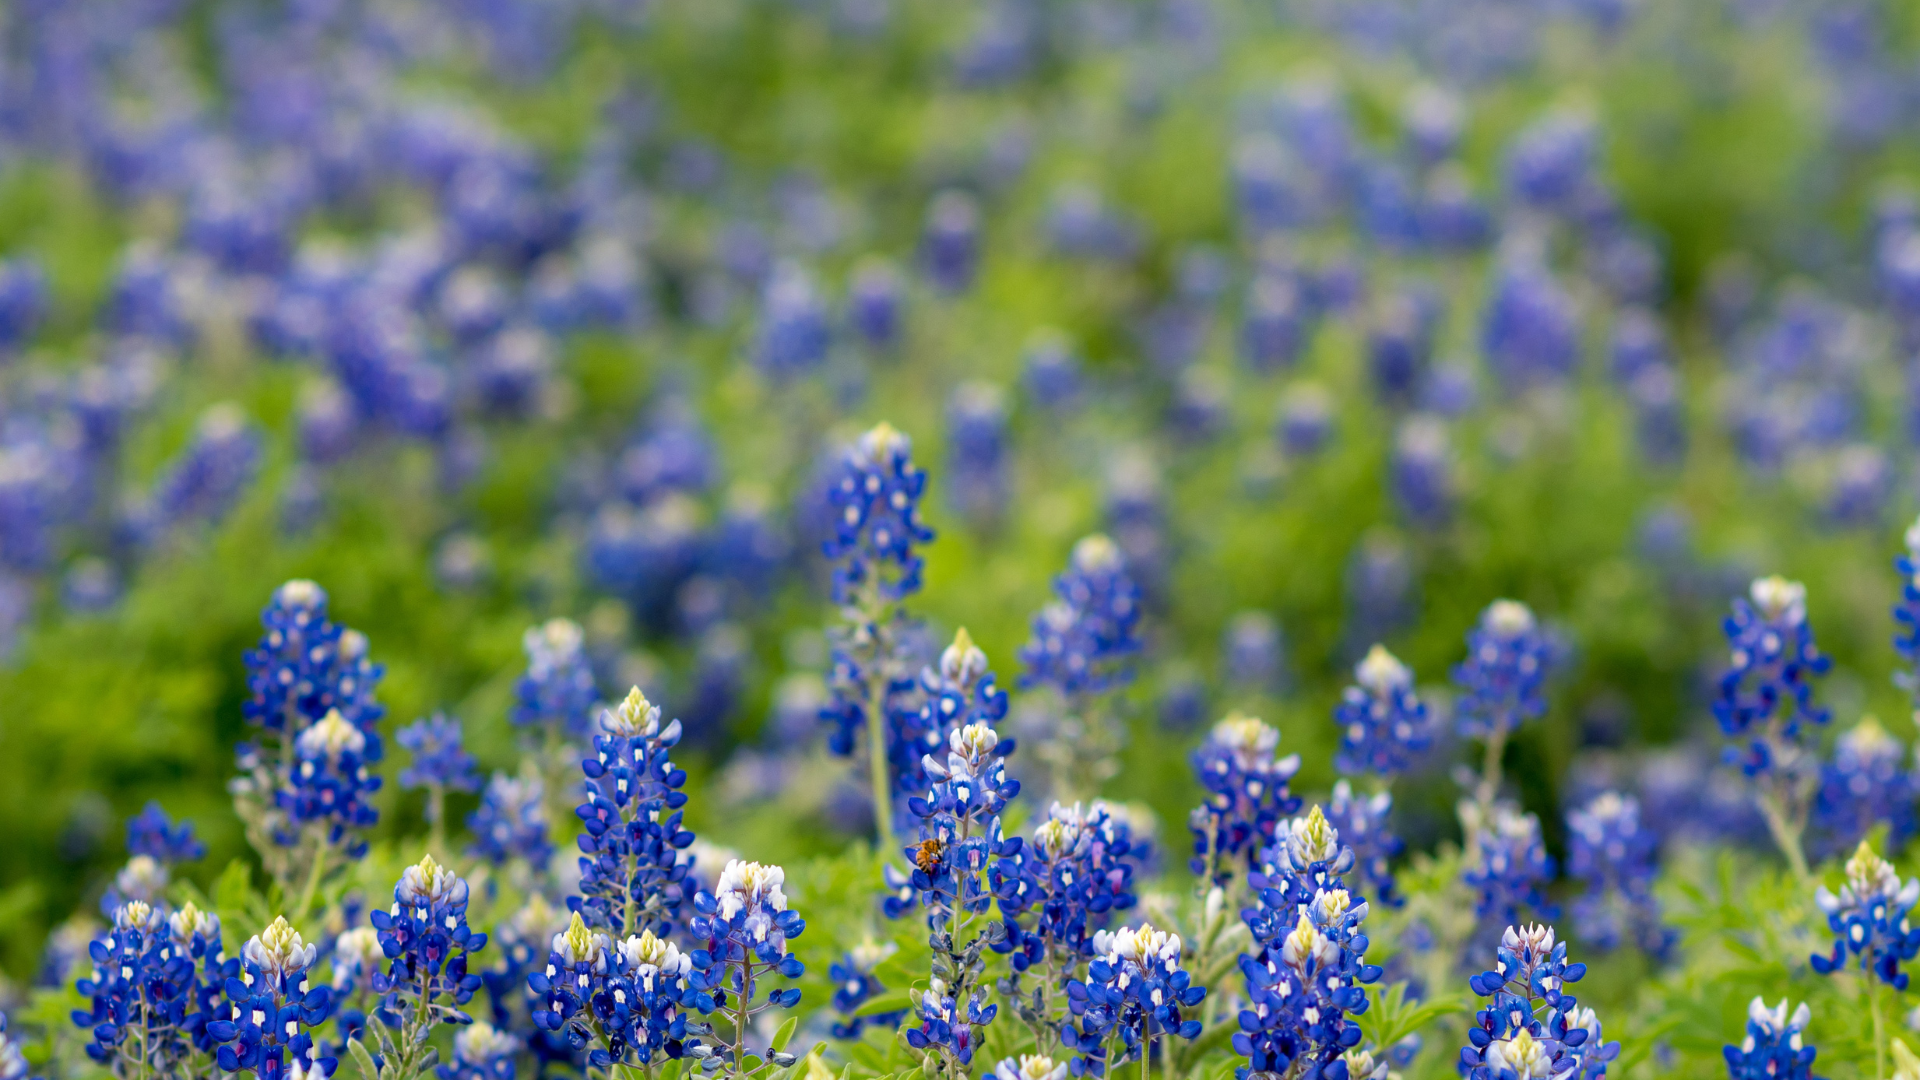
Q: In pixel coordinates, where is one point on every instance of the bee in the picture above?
(927, 855)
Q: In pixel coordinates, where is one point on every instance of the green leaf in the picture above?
(233, 892)
(785, 1034)
(363, 1059)
(892, 1001)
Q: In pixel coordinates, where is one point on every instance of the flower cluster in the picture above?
(1766, 696)
(273, 1009)
(154, 989)
(1532, 1027)
(958, 692)
(332, 785)
(1775, 1047)
(1864, 785)
(1869, 919)
(481, 1052)
(1612, 854)
(855, 984)
(1508, 865)
(1135, 989)
(1361, 822)
(1907, 612)
(1075, 874)
(1247, 796)
(557, 691)
(440, 760)
(153, 834)
(625, 1003)
(307, 666)
(13, 1063)
(960, 840)
(947, 1025)
(744, 926)
(1502, 681)
(1308, 975)
(511, 821)
(426, 939)
(632, 871)
(1382, 724)
(1084, 641)
(876, 506)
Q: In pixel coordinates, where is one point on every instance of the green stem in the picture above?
(1489, 788)
(437, 819)
(881, 776)
(1879, 1032)
(1785, 834)
(320, 850)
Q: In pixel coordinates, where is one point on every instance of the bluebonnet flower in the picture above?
(425, 937)
(23, 302)
(950, 246)
(1906, 613)
(1051, 370)
(945, 1023)
(1775, 1047)
(357, 960)
(977, 451)
(1382, 724)
(855, 984)
(744, 926)
(306, 666)
(794, 332)
(1508, 864)
(1502, 678)
(1307, 978)
(207, 478)
(1530, 331)
(140, 994)
(511, 821)
(1276, 322)
(874, 301)
(1247, 796)
(144, 878)
(439, 758)
(1030, 1067)
(1863, 786)
(1766, 696)
(1421, 473)
(1533, 1028)
(1135, 990)
(960, 825)
(1255, 652)
(1869, 919)
(876, 503)
(557, 689)
(632, 873)
(273, 1010)
(957, 692)
(1400, 345)
(1084, 641)
(13, 1063)
(1361, 822)
(481, 1052)
(1074, 876)
(152, 833)
(331, 786)
(1613, 855)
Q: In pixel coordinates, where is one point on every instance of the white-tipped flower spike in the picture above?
(636, 717)
(427, 885)
(1096, 554)
(1250, 739)
(1775, 1022)
(646, 953)
(482, 1042)
(1311, 839)
(143, 878)
(552, 643)
(1779, 599)
(1361, 1065)
(1523, 1056)
(1061, 833)
(356, 956)
(1030, 1067)
(1381, 673)
(190, 920)
(1306, 943)
(882, 442)
(1143, 944)
(331, 736)
(578, 945)
(1509, 618)
(963, 663)
(278, 950)
(300, 593)
(750, 885)
(136, 915)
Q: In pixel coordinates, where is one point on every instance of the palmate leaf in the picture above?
(1393, 1017)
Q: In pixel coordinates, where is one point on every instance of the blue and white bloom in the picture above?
(558, 690)
(1613, 854)
(1866, 784)
(632, 870)
(1508, 864)
(1869, 919)
(877, 526)
(1247, 796)
(1382, 724)
(1502, 681)
(1775, 1046)
(1766, 696)
(1533, 1028)
(1135, 991)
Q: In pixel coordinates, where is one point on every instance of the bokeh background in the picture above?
(1343, 318)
